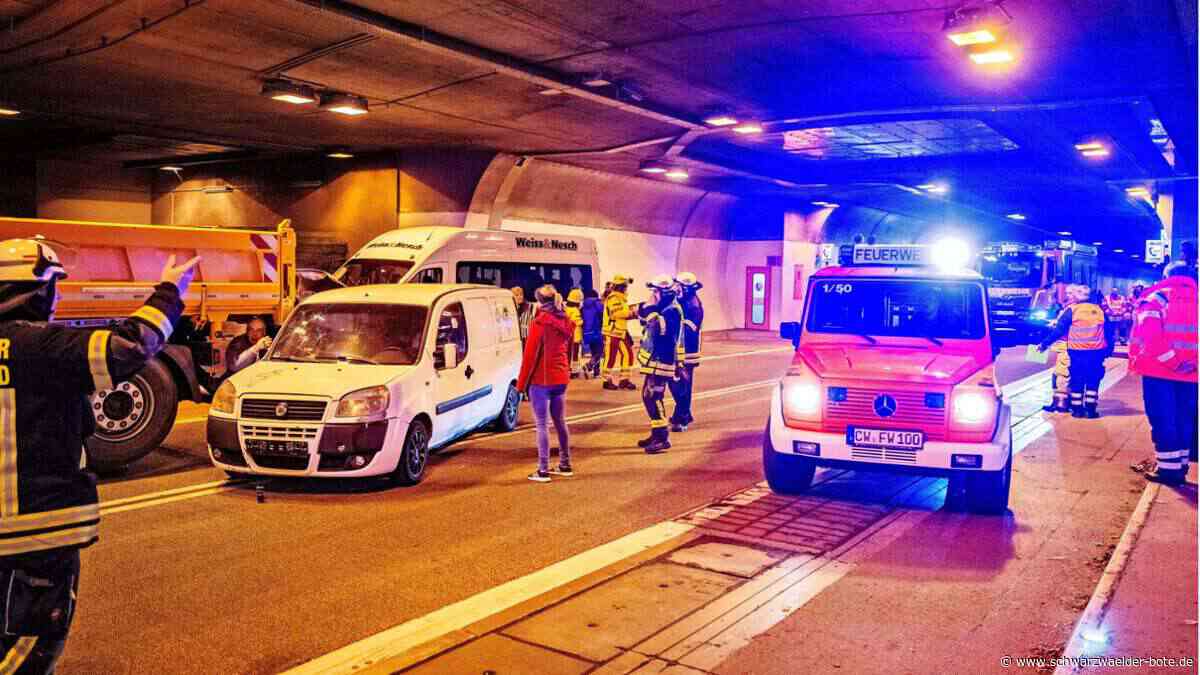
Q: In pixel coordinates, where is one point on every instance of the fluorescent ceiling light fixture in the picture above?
(344, 104)
(597, 80)
(288, 92)
(934, 188)
(550, 91)
(720, 120)
(1118, 250)
(9, 112)
(972, 37)
(1065, 233)
(652, 167)
(339, 153)
(676, 173)
(826, 205)
(1097, 243)
(170, 168)
(1016, 216)
(1090, 145)
(1138, 193)
(991, 57)
(748, 128)
(1098, 152)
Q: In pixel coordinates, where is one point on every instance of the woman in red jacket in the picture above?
(545, 372)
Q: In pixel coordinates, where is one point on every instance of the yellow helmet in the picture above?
(28, 260)
(575, 295)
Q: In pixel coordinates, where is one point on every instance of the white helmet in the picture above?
(28, 260)
(662, 282)
(686, 279)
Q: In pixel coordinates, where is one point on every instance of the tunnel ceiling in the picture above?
(860, 102)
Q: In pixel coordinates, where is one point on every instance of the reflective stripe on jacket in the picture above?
(693, 320)
(1087, 327)
(616, 315)
(662, 347)
(1164, 337)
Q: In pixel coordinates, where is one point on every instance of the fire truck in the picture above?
(1027, 284)
(112, 268)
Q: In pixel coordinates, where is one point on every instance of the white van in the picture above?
(434, 255)
(364, 381)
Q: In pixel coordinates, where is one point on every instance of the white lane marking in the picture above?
(1093, 615)
(397, 640)
(167, 496)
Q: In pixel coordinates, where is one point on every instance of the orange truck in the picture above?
(113, 267)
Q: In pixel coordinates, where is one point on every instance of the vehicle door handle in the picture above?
(469, 372)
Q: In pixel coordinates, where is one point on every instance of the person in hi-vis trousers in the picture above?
(618, 346)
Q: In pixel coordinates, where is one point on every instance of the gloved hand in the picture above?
(180, 275)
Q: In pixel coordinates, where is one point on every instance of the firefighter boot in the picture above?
(659, 441)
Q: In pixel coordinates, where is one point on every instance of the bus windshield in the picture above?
(1012, 270)
(361, 271)
(922, 308)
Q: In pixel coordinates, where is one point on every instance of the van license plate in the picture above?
(885, 438)
(280, 448)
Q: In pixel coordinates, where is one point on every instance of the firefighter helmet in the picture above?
(662, 282)
(28, 261)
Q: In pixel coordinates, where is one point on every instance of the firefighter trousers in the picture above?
(1087, 369)
(1171, 410)
(39, 603)
(618, 358)
(681, 391)
(654, 390)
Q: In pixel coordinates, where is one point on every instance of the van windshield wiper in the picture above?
(357, 359)
(933, 340)
(868, 338)
(290, 358)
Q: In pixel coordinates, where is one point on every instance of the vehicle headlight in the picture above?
(1040, 314)
(225, 398)
(801, 399)
(973, 407)
(364, 402)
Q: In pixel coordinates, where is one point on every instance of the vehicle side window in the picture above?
(526, 275)
(429, 275)
(452, 328)
(506, 319)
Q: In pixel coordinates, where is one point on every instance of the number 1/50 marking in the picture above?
(840, 289)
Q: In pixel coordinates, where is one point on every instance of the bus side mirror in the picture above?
(790, 330)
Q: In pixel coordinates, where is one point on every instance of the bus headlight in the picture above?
(225, 398)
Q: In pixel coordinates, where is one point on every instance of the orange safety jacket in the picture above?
(1163, 342)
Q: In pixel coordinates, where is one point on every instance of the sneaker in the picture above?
(610, 386)
(626, 384)
(539, 476)
(562, 471)
(658, 447)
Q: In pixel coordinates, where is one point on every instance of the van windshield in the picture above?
(375, 334)
(923, 308)
(361, 271)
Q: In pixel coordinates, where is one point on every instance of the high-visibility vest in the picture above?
(1116, 307)
(616, 315)
(1163, 343)
(1087, 327)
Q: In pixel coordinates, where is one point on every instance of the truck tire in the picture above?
(133, 418)
(786, 474)
(987, 491)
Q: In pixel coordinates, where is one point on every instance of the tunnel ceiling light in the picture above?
(1016, 216)
(826, 205)
(1118, 250)
(339, 153)
(9, 112)
(720, 120)
(288, 91)
(170, 167)
(1097, 243)
(550, 91)
(676, 173)
(934, 188)
(652, 166)
(1065, 233)
(992, 57)
(596, 80)
(975, 23)
(1096, 154)
(747, 128)
(344, 104)
(971, 37)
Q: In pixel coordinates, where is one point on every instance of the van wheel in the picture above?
(786, 474)
(507, 419)
(987, 491)
(132, 418)
(411, 468)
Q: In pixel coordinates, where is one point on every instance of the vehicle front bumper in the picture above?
(934, 457)
(227, 448)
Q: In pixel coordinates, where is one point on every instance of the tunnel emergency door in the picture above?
(758, 298)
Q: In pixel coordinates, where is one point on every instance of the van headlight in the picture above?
(225, 398)
(364, 402)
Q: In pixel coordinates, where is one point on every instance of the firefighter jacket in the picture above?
(1116, 308)
(693, 319)
(662, 342)
(1163, 341)
(1085, 327)
(616, 315)
(576, 316)
(47, 372)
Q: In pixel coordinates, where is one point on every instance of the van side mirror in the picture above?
(449, 356)
(790, 330)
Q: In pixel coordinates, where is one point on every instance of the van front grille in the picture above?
(292, 410)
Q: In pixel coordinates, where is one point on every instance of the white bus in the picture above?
(435, 255)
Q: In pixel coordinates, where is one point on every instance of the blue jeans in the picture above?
(551, 400)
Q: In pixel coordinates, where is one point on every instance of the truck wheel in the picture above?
(987, 491)
(411, 467)
(507, 419)
(786, 474)
(132, 418)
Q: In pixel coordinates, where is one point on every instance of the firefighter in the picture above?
(659, 357)
(575, 314)
(1088, 335)
(618, 346)
(1117, 311)
(1163, 351)
(693, 318)
(48, 500)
